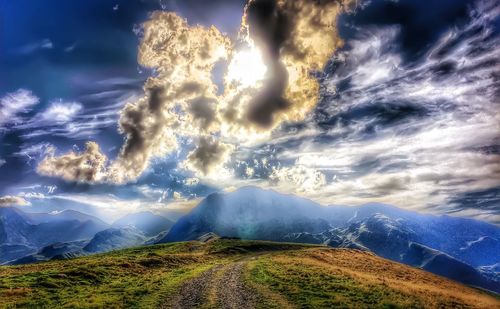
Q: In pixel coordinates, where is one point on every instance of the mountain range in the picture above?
(462, 249)
(34, 237)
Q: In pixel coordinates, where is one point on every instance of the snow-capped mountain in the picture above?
(146, 222)
(453, 247)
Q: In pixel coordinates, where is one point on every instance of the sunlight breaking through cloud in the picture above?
(268, 82)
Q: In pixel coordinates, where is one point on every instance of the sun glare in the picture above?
(246, 68)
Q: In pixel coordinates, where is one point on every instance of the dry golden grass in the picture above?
(282, 275)
(368, 270)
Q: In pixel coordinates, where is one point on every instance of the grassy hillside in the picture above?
(234, 274)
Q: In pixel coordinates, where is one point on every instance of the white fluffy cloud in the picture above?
(87, 166)
(15, 103)
(60, 112)
(298, 178)
(8, 201)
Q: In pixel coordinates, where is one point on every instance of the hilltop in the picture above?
(232, 273)
(461, 249)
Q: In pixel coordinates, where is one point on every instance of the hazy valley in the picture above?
(460, 249)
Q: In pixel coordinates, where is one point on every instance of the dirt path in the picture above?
(193, 293)
(231, 291)
(224, 283)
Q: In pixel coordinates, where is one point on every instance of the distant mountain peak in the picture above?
(147, 222)
(405, 236)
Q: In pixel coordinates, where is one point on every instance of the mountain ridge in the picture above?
(462, 249)
(229, 273)
(388, 231)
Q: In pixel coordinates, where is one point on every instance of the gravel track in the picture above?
(223, 281)
(231, 291)
(193, 293)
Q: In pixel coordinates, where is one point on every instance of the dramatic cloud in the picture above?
(298, 178)
(60, 112)
(15, 103)
(296, 38)
(286, 40)
(8, 201)
(421, 135)
(179, 98)
(208, 156)
(83, 118)
(402, 110)
(88, 166)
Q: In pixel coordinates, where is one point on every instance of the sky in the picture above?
(111, 107)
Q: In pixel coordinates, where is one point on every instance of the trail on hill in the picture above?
(231, 290)
(193, 293)
(221, 286)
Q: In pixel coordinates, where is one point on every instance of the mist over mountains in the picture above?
(34, 237)
(465, 250)
(454, 247)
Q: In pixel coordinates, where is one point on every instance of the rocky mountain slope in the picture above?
(453, 247)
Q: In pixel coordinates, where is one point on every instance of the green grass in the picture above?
(142, 277)
(283, 275)
(129, 278)
(313, 287)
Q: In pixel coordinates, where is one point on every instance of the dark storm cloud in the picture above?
(270, 100)
(209, 154)
(203, 110)
(390, 185)
(270, 26)
(155, 98)
(284, 31)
